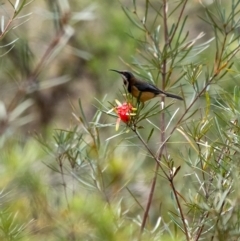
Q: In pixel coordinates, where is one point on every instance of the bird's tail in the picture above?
(174, 96)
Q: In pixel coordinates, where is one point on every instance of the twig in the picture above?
(149, 202)
(63, 179)
(162, 124)
(158, 165)
(178, 21)
(180, 209)
(149, 150)
(32, 78)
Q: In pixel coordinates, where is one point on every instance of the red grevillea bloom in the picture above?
(124, 112)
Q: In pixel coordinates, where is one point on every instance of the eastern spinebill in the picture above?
(142, 90)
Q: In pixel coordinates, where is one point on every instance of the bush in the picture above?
(99, 181)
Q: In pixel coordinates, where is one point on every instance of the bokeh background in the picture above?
(57, 53)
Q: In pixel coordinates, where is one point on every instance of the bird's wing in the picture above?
(146, 87)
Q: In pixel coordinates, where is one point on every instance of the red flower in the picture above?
(124, 112)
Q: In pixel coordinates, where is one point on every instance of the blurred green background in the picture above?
(41, 82)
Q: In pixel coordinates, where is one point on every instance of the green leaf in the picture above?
(236, 96)
(127, 12)
(150, 134)
(83, 117)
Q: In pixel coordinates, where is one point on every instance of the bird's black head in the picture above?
(126, 75)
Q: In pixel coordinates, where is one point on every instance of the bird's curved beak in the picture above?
(120, 72)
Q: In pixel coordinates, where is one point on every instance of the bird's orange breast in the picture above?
(142, 96)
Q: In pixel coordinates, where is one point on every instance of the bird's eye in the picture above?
(125, 82)
(127, 75)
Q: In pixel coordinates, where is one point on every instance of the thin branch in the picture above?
(180, 209)
(60, 162)
(32, 78)
(158, 165)
(150, 197)
(162, 124)
(150, 151)
(178, 21)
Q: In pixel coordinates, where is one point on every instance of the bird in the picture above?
(142, 90)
